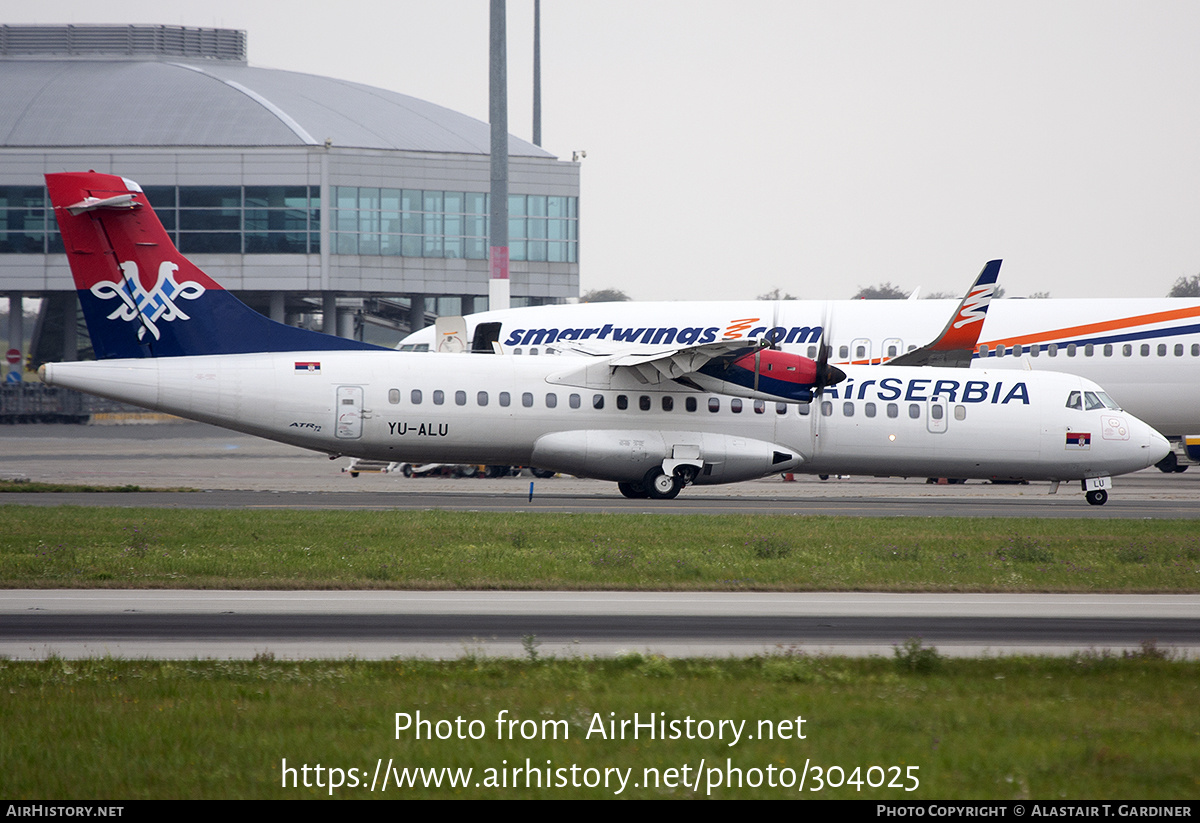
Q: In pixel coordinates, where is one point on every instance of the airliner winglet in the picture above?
(955, 346)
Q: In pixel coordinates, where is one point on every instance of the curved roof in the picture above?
(81, 102)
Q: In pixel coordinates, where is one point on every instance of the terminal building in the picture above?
(320, 202)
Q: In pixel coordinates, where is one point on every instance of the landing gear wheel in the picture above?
(660, 486)
(634, 491)
(1098, 497)
(542, 474)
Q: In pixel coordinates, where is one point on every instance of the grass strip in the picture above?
(1091, 726)
(194, 548)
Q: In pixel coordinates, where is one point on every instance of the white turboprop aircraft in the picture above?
(1145, 352)
(171, 339)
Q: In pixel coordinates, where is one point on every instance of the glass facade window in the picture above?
(452, 224)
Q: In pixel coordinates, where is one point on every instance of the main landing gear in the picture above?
(657, 485)
(1098, 497)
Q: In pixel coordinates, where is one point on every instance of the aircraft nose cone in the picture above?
(1157, 446)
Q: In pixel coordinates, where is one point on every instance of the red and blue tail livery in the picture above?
(140, 296)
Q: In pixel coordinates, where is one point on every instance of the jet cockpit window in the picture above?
(1075, 400)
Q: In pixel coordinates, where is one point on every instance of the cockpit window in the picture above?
(1106, 401)
(1091, 401)
(1074, 400)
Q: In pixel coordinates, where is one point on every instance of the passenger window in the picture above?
(1052, 350)
(781, 408)
(1000, 350)
(847, 409)
(735, 405)
(527, 400)
(843, 352)
(439, 397)
(914, 411)
(1088, 350)
(690, 404)
(812, 352)
(644, 402)
(1196, 350)
(622, 402)
(505, 398)
(1018, 350)
(574, 401)
(1074, 401)
(759, 407)
(984, 350)
(1070, 350)
(1127, 350)
(860, 351)
(960, 412)
(1145, 350)
(804, 409)
(891, 351)
(1162, 349)
(893, 410)
(551, 400)
(393, 396)
(936, 412)
(597, 401)
(714, 404)
(668, 403)
(460, 398)
(482, 398)
(1035, 350)
(869, 410)
(1179, 350)
(826, 408)
(1108, 349)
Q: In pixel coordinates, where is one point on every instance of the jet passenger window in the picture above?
(690, 404)
(1145, 350)
(644, 402)
(460, 398)
(1179, 350)
(1035, 350)
(622, 402)
(869, 410)
(505, 398)
(848, 409)
(893, 410)
(714, 404)
(914, 411)
(574, 401)
(597, 401)
(1162, 349)
(551, 400)
(527, 400)
(668, 403)
(759, 407)
(960, 412)
(1108, 349)
(393, 396)
(781, 408)
(1052, 350)
(826, 408)
(805, 408)
(1127, 350)
(482, 398)
(735, 405)
(416, 397)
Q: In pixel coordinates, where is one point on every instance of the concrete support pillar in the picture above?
(346, 324)
(278, 310)
(71, 327)
(329, 312)
(416, 314)
(16, 331)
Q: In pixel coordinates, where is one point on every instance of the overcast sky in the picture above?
(734, 147)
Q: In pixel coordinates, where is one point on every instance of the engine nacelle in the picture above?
(626, 455)
(763, 374)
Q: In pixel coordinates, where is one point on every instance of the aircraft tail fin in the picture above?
(140, 296)
(955, 346)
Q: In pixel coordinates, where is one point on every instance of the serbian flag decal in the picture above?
(1079, 440)
(308, 367)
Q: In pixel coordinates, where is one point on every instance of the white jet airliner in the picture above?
(1145, 352)
(171, 339)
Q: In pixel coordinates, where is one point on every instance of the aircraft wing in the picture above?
(955, 346)
(671, 364)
